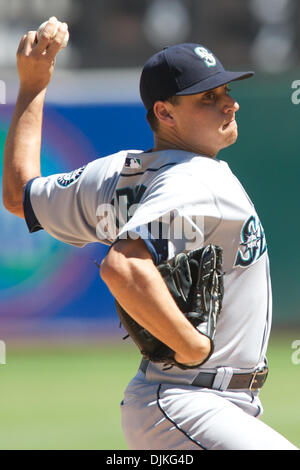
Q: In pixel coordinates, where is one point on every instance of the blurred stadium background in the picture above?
(66, 362)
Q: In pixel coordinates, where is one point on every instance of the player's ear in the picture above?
(163, 112)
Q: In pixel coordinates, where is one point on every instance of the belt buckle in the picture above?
(256, 373)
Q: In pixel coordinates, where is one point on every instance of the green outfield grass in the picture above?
(67, 397)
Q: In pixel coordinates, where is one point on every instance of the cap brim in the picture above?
(214, 81)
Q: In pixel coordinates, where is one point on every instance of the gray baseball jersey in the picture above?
(175, 201)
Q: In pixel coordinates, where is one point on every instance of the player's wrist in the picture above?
(196, 355)
(28, 91)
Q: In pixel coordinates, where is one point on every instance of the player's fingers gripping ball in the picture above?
(58, 23)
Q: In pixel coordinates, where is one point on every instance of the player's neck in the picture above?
(162, 143)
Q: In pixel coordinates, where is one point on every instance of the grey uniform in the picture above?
(177, 201)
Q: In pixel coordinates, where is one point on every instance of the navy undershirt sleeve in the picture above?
(158, 250)
(30, 217)
(158, 247)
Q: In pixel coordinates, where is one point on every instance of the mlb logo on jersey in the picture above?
(132, 162)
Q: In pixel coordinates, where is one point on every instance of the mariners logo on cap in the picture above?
(207, 57)
(70, 178)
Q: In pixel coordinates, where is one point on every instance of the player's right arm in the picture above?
(23, 143)
(130, 274)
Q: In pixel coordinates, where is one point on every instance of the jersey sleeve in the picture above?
(170, 220)
(64, 205)
(31, 220)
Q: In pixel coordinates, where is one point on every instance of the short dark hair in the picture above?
(152, 119)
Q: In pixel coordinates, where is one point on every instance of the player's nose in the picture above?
(231, 105)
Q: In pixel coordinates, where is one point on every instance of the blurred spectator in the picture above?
(114, 33)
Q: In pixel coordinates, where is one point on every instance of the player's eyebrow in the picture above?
(217, 89)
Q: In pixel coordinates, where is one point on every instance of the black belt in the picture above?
(249, 381)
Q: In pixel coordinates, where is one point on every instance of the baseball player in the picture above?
(148, 206)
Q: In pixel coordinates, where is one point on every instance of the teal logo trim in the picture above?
(253, 242)
(69, 178)
(207, 57)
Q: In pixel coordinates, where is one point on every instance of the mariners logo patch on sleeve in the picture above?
(69, 178)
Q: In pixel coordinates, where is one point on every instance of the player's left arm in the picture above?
(23, 143)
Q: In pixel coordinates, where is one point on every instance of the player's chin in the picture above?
(229, 139)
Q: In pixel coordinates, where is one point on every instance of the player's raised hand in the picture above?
(36, 58)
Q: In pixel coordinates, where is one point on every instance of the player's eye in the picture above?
(210, 95)
(213, 95)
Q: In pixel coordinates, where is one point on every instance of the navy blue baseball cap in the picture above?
(183, 69)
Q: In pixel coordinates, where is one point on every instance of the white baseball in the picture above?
(58, 23)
